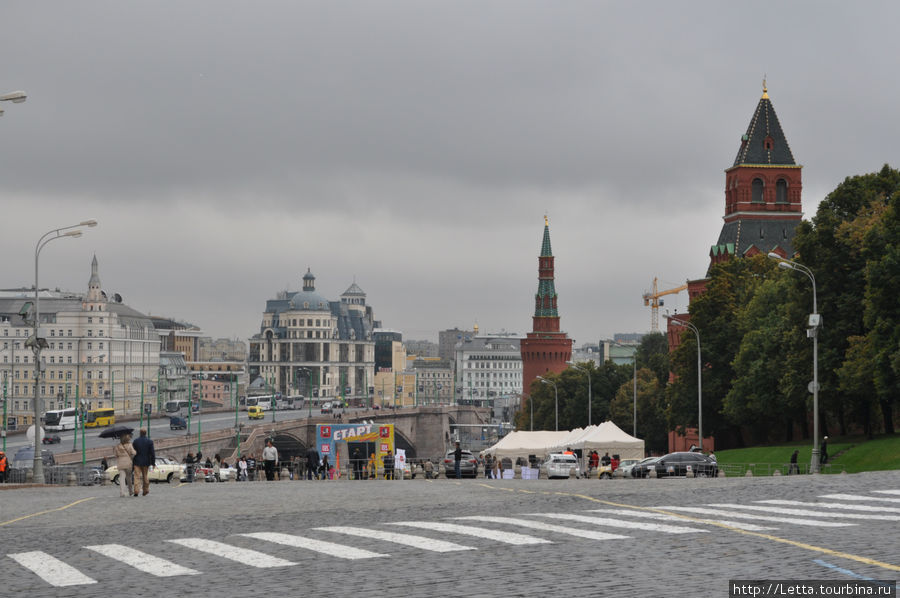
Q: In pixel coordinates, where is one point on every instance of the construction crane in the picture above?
(653, 300)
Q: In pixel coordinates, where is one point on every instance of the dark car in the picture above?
(677, 464)
(51, 439)
(177, 423)
(642, 469)
(24, 458)
(468, 466)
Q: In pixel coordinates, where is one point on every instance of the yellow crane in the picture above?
(653, 300)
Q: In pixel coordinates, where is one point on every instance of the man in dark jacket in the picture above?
(144, 457)
(457, 459)
(312, 463)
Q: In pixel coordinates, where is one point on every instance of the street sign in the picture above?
(813, 387)
(148, 408)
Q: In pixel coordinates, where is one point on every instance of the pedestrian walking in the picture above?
(217, 468)
(312, 463)
(497, 473)
(251, 467)
(104, 464)
(189, 466)
(457, 459)
(124, 454)
(4, 465)
(356, 459)
(429, 469)
(242, 469)
(824, 453)
(794, 468)
(145, 456)
(324, 467)
(270, 459)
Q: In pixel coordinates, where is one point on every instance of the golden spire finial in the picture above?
(765, 94)
(546, 220)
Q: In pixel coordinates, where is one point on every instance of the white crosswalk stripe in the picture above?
(478, 532)
(609, 522)
(860, 497)
(756, 517)
(808, 512)
(50, 569)
(420, 542)
(330, 548)
(832, 505)
(547, 527)
(245, 556)
(674, 518)
(887, 491)
(141, 560)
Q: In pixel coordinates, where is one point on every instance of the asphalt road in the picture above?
(671, 537)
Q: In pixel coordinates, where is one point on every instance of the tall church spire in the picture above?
(545, 299)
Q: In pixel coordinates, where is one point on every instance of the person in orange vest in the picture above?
(4, 465)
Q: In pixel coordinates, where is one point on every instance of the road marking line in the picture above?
(802, 545)
(244, 556)
(860, 497)
(547, 527)
(848, 572)
(887, 491)
(808, 513)
(336, 550)
(653, 527)
(50, 569)
(47, 511)
(478, 532)
(832, 505)
(142, 561)
(755, 517)
(737, 524)
(420, 542)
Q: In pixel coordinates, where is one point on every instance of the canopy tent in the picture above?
(605, 438)
(522, 444)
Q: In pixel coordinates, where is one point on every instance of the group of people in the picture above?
(133, 460)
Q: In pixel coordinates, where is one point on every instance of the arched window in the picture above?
(757, 191)
(781, 191)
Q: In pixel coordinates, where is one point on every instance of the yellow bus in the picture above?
(100, 417)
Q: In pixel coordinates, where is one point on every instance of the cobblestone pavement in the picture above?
(449, 538)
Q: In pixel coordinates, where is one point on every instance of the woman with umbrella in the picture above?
(124, 455)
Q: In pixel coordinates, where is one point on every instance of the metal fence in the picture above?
(769, 469)
(58, 475)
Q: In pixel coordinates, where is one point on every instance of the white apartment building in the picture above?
(98, 349)
(487, 368)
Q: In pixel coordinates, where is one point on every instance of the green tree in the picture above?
(651, 411)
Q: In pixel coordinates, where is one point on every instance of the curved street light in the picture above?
(16, 97)
(556, 394)
(678, 322)
(812, 329)
(36, 341)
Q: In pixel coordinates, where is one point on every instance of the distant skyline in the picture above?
(226, 147)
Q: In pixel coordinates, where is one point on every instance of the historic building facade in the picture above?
(545, 349)
(98, 350)
(488, 368)
(311, 346)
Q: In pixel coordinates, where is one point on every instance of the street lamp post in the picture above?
(587, 371)
(556, 394)
(16, 97)
(699, 384)
(812, 329)
(36, 341)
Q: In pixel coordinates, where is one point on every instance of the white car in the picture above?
(625, 466)
(560, 465)
(165, 470)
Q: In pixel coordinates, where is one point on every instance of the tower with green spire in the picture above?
(545, 349)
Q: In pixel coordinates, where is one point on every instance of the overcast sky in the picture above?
(225, 147)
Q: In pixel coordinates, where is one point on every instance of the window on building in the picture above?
(757, 190)
(90, 346)
(781, 191)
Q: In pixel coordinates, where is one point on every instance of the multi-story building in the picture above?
(434, 381)
(308, 345)
(222, 349)
(179, 337)
(488, 367)
(174, 378)
(98, 349)
(390, 353)
(447, 340)
(425, 349)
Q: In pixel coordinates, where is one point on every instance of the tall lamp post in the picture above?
(587, 371)
(37, 342)
(678, 322)
(16, 97)
(812, 330)
(555, 393)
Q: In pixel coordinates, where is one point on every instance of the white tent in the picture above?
(522, 444)
(605, 438)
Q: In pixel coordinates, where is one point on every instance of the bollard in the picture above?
(71, 479)
(749, 474)
(285, 475)
(652, 473)
(777, 472)
(721, 473)
(689, 473)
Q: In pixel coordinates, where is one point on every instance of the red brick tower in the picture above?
(545, 349)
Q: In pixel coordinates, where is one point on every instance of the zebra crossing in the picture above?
(526, 529)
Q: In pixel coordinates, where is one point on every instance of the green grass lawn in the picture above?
(857, 453)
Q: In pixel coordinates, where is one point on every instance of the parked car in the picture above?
(177, 423)
(327, 408)
(24, 458)
(643, 467)
(255, 412)
(676, 464)
(165, 470)
(560, 465)
(468, 466)
(626, 464)
(51, 439)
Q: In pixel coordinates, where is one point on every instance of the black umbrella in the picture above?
(116, 431)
